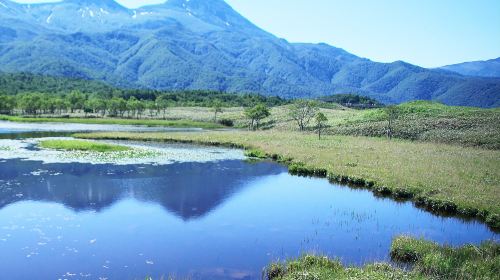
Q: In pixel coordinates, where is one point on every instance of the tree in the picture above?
(217, 108)
(140, 107)
(100, 106)
(302, 111)
(162, 103)
(152, 108)
(321, 119)
(7, 104)
(61, 105)
(47, 104)
(257, 114)
(76, 100)
(392, 113)
(95, 105)
(30, 103)
(132, 106)
(117, 106)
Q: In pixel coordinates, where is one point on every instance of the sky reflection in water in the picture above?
(223, 219)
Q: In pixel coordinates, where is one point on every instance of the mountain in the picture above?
(487, 68)
(205, 44)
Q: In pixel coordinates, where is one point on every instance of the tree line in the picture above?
(124, 104)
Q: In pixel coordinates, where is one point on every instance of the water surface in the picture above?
(223, 219)
(220, 219)
(9, 130)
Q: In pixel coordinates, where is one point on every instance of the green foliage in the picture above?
(302, 111)
(352, 101)
(321, 119)
(445, 262)
(319, 267)
(227, 122)
(76, 100)
(7, 104)
(254, 153)
(80, 145)
(256, 114)
(428, 260)
(217, 108)
(99, 100)
(16, 84)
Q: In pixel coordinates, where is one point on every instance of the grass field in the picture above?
(146, 122)
(426, 259)
(429, 122)
(81, 145)
(439, 177)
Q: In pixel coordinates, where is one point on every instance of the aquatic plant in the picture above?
(254, 153)
(134, 153)
(81, 145)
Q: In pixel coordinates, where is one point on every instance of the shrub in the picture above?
(227, 122)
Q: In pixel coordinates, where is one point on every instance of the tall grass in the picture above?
(446, 262)
(427, 260)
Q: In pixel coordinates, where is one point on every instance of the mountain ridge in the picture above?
(193, 45)
(481, 68)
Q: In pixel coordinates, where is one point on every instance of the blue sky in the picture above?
(429, 33)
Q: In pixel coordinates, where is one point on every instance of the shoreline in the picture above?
(420, 198)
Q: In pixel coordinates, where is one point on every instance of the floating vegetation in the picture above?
(82, 145)
(68, 150)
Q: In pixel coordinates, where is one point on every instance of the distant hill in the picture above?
(205, 44)
(487, 68)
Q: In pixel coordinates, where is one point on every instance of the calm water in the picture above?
(214, 220)
(12, 129)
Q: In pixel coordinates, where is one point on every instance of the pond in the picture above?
(13, 129)
(215, 216)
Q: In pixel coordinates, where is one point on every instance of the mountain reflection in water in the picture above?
(189, 190)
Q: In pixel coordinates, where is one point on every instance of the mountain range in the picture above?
(205, 44)
(486, 68)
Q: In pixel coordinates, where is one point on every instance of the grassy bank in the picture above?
(441, 178)
(80, 145)
(145, 122)
(446, 262)
(428, 261)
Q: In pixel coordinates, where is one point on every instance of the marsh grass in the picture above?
(446, 262)
(438, 177)
(80, 145)
(318, 267)
(427, 260)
